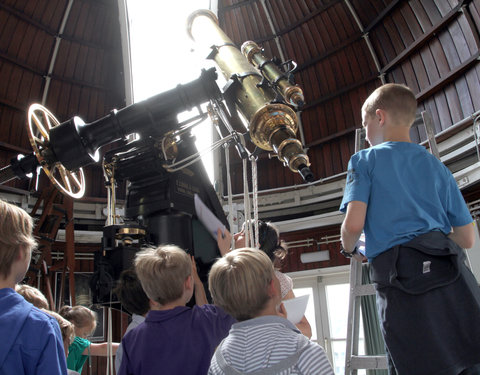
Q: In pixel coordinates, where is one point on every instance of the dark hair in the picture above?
(131, 294)
(269, 241)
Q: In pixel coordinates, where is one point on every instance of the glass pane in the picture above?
(337, 303)
(338, 348)
(310, 311)
(337, 306)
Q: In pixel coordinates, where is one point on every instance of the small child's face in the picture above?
(84, 332)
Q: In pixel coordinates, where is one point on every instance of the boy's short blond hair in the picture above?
(162, 271)
(239, 282)
(16, 228)
(32, 295)
(395, 98)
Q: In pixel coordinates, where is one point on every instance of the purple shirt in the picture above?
(177, 341)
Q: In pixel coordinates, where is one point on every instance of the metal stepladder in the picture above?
(354, 361)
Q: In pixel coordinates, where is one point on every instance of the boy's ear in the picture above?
(273, 289)
(381, 116)
(188, 282)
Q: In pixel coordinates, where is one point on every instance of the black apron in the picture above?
(428, 303)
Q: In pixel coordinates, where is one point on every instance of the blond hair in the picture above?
(395, 98)
(32, 295)
(79, 315)
(162, 271)
(16, 228)
(239, 282)
(66, 327)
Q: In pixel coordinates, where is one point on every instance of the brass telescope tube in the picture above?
(292, 94)
(272, 126)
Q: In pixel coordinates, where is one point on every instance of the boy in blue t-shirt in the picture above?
(416, 223)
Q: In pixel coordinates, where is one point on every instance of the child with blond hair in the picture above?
(84, 321)
(174, 338)
(31, 342)
(32, 295)
(243, 283)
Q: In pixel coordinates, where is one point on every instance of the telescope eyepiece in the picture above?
(306, 173)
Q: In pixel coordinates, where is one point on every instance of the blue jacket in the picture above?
(30, 339)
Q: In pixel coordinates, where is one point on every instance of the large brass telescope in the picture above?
(272, 124)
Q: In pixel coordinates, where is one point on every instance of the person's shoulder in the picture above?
(40, 317)
(211, 313)
(314, 360)
(208, 309)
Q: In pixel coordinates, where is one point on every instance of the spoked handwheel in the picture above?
(40, 121)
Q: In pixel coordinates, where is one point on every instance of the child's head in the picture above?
(83, 319)
(32, 295)
(241, 282)
(16, 228)
(130, 293)
(268, 239)
(66, 328)
(393, 103)
(163, 273)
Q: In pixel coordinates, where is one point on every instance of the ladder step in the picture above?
(369, 362)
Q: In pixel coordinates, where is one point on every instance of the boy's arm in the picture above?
(199, 289)
(353, 224)
(464, 236)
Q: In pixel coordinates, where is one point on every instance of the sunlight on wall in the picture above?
(162, 54)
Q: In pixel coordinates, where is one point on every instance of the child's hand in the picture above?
(224, 240)
(196, 278)
(282, 311)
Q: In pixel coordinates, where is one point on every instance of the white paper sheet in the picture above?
(296, 308)
(207, 217)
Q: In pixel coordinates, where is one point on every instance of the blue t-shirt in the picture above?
(408, 192)
(30, 339)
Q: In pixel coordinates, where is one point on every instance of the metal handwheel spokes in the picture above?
(40, 121)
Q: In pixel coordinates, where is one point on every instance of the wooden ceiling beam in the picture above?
(78, 82)
(331, 137)
(27, 19)
(340, 92)
(52, 32)
(21, 64)
(452, 76)
(298, 23)
(424, 39)
(382, 15)
(12, 105)
(338, 48)
(9, 147)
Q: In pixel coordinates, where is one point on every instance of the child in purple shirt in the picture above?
(174, 339)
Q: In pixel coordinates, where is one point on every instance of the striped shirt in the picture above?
(261, 342)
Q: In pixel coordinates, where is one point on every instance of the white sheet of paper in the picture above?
(296, 308)
(207, 217)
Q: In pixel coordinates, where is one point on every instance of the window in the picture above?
(327, 311)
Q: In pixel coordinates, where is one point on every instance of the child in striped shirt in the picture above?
(244, 284)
